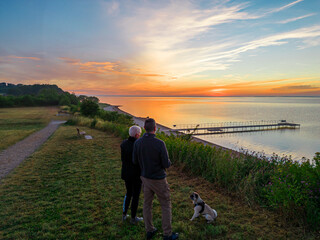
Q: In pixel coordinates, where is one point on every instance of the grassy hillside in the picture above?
(18, 123)
(71, 189)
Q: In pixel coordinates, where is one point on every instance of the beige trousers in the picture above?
(161, 189)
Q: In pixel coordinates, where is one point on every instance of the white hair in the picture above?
(134, 130)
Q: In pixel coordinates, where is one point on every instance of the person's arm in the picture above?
(135, 154)
(165, 161)
(123, 153)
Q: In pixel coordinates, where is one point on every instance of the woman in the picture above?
(130, 173)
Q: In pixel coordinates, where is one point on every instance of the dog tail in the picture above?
(215, 213)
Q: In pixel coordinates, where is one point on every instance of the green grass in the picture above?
(289, 187)
(18, 123)
(71, 189)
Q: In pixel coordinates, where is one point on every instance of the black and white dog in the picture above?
(201, 208)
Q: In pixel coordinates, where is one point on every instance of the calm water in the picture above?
(303, 142)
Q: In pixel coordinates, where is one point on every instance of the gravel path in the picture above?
(15, 154)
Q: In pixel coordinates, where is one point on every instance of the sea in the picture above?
(296, 143)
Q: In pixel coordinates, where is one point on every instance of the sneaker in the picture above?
(151, 234)
(124, 217)
(172, 237)
(136, 220)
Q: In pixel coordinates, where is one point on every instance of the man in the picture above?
(152, 156)
(130, 173)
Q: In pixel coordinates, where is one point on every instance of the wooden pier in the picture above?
(233, 127)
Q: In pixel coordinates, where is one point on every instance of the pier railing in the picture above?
(233, 127)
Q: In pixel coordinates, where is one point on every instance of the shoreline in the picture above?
(140, 122)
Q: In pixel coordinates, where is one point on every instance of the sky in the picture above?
(163, 48)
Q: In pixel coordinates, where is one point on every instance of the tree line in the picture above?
(20, 95)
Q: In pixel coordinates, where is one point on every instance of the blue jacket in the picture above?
(152, 156)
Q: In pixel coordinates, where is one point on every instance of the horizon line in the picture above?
(107, 95)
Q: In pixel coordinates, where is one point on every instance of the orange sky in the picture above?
(164, 48)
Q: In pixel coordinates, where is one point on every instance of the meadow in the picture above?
(71, 189)
(18, 123)
(278, 183)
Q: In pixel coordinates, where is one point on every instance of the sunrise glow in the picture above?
(163, 48)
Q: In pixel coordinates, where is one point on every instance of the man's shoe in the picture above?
(172, 237)
(124, 217)
(136, 220)
(151, 234)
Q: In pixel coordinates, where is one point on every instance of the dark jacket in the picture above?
(152, 156)
(129, 170)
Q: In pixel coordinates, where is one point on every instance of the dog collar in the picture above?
(202, 206)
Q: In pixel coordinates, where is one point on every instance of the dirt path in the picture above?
(15, 154)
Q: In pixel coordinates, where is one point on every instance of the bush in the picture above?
(280, 183)
(295, 188)
(119, 130)
(115, 117)
(89, 108)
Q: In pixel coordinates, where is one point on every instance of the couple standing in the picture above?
(145, 159)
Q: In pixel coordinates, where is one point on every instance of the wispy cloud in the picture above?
(30, 58)
(277, 39)
(297, 87)
(107, 68)
(285, 6)
(111, 7)
(177, 47)
(310, 42)
(174, 38)
(297, 18)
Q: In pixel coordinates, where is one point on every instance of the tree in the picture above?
(89, 108)
(64, 100)
(27, 100)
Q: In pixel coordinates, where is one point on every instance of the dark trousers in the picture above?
(133, 187)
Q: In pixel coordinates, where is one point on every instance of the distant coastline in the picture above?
(140, 121)
(298, 144)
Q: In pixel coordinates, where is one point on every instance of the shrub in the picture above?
(115, 117)
(280, 183)
(295, 188)
(119, 130)
(89, 108)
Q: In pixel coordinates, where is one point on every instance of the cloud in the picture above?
(285, 6)
(173, 47)
(107, 68)
(166, 36)
(310, 42)
(69, 60)
(176, 23)
(11, 59)
(111, 7)
(277, 39)
(30, 58)
(296, 87)
(296, 18)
